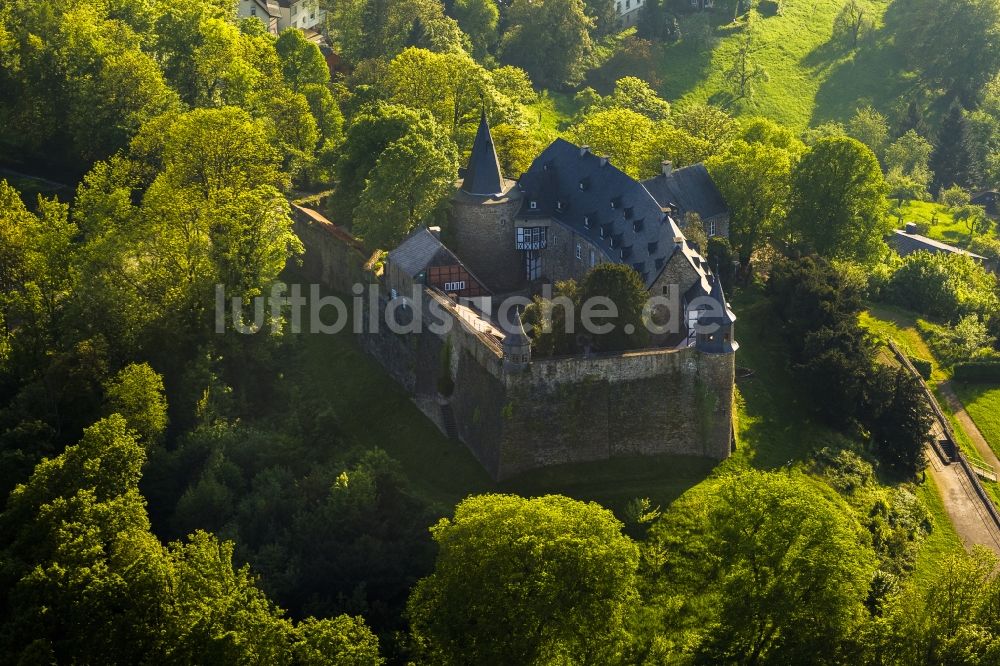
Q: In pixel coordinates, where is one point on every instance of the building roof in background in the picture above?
(587, 193)
(691, 189)
(482, 175)
(908, 243)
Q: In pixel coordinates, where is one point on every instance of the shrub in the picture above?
(944, 286)
(923, 366)
(968, 339)
(978, 371)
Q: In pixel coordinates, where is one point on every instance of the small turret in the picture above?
(482, 177)
(715, 325)
(516, 345)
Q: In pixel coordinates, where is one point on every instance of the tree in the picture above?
(549, 39)
(136, 393)
(516, 148)
(838, 201)
(975, 219)
(367, 29)
(398, 169)
(900, 421)
(910, 154)
(623, 135)
(787, 565)
(478, 19)
(452, 87)
(624, 287)
(745, 72)
(755, 181)
(302, 63)
(339, 641)
(852, 22)
(955, 46)
(870, 128)
(521, 581)
(636, 95)
(950, 160)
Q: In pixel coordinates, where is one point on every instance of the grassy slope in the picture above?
(811, 78)
(943, 226)
(773, 430)
(982, 402)
(901, 326)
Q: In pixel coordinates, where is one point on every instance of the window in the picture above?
(559, 205)
(532, 205)
(593, 259)
(531, 238)
(454, 286)
(579, 251)
(628, 3)
(711, 228)
(253, 11)
(586, 221)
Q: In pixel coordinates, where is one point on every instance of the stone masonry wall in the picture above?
(555, 410)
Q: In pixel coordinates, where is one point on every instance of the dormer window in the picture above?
(584, 183)
(533, 205)
(586, 221)
(616, 202)
(637, 225)
(559, 206)
(628, 212)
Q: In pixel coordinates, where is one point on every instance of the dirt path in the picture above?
(962, 504)
(968, 425)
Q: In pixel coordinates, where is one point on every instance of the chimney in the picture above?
(604, 160)
(911, 228)
(667, 167)
(436, 231)
(678, 240)
(584, 151)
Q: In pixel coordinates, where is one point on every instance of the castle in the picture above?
(477, 378)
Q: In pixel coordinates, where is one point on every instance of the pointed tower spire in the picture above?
(482, 176)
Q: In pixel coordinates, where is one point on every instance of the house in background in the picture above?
(267, 11)
(301, 14)
(628, 12)
(907, 241)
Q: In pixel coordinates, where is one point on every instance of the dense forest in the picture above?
(172, 493)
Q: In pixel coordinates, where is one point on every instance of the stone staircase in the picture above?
(448, 419)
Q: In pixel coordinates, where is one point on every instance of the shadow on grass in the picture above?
(775, 427)
(876, 74)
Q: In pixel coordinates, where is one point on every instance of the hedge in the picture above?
(923, 366)
(978, 371)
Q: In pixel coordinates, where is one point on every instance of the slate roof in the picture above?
(691, 189)
(482, 176)
(905, 244)
(590, 195)
(725, 317)
(420, 249)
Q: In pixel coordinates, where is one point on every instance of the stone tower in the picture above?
(516, 346)
(482, 217)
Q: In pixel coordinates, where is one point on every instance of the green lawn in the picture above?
(774, 427)
(943, 226)
(900, 326)
(941, 543)
(982, 402)
(811, 78)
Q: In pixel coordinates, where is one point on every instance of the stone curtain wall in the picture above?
(332, 257)
(555, 411)
(639, 403)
